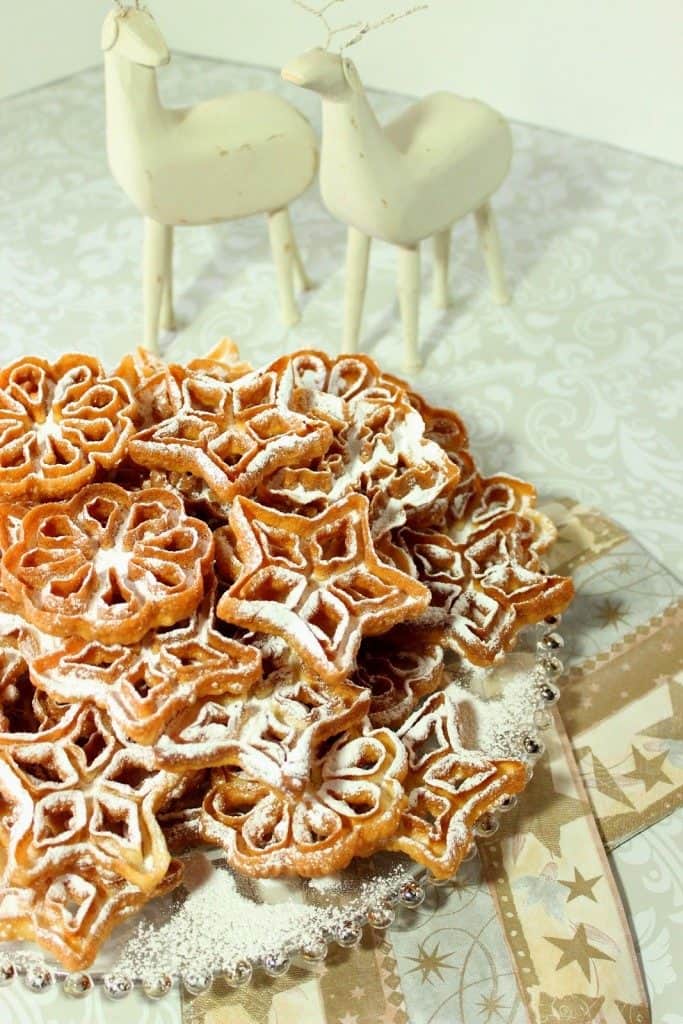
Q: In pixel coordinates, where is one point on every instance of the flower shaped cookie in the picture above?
(350, 806)
(317, 583)
(379, 447)
(108, 565)
(59, 424)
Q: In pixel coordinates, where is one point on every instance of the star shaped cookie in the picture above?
(318, 583)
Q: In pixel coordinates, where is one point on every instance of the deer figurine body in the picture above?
(405, 182)
(227, 158)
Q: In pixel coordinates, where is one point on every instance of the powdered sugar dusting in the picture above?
(222, 920)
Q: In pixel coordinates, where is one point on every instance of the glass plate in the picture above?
(219, 923)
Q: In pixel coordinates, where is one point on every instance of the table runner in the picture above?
(533, 931)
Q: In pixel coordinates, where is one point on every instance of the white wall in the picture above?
(604, 69)
(41, 40)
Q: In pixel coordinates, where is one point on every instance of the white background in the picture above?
(603, 69)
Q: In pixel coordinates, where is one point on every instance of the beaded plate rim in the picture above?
(39, 974)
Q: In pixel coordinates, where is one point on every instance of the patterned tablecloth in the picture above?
(576, 908)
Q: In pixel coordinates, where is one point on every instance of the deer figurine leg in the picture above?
(490, 247)
(442, 250)
(167, 316)
(357, 256)
(153, 266)
(409, 301)
(301, 279)
(283, 257)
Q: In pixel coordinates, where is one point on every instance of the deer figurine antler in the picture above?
(361, 27)
(407, 181)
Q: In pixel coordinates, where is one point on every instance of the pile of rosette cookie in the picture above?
(225, 603)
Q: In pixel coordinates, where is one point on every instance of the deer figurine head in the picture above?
(329, 74)
(133, 34)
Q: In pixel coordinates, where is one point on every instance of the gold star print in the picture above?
(610, 613)
(669, 728)
(489, 1005)
(357, 992)
(648, 770)
(605, 784)
(578, 950)
(580, 886)
(551, 811)
(430, 963)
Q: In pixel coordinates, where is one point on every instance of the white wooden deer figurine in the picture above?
(230, 157)
(409, 180)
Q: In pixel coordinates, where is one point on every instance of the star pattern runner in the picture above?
(531, 816)
(669, 728)
(317, 583)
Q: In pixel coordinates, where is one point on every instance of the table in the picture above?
(576, 385)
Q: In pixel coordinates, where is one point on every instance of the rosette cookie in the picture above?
(398, 669)
(379, 447)
(72, 912)
(273, 733)
(350, 806)
(143, 686)
(108, 565)
(230, 435)
(317, 583)
(60, 423)
(78, 793)
(484, 590)
(448, 788)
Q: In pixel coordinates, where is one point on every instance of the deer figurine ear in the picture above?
(351, 74)
(110, 30)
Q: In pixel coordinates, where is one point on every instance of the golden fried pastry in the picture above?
(279, 734)
(179, 817)
(484, 590)
(351, 805)
(316, 582)
(502, 558)
(60, 423)
(272, 733)
(379, 447)
(71, 912)
(232, 629)
(223, 362)
(108, 565)
(230, 435)
(448, 788)
(142, 687)
(79, 792)
(156, 387)
(398, 668)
